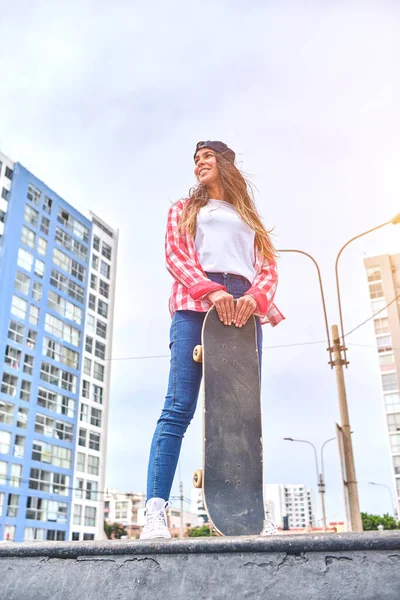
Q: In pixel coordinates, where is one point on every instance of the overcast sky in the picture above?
(105, 103)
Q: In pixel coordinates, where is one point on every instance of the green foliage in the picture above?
(371, 522)
(114, 531)
(202, 531)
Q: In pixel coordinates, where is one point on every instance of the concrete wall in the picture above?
(307, 567)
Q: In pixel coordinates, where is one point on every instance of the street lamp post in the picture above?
(337, 362)
(320, 474)
(391, 496)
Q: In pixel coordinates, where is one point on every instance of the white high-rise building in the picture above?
(290, 500)
(383, 274)
(90, 461)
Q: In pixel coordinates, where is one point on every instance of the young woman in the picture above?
(217, 250)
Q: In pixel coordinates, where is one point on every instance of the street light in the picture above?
(320, 474)
(391, 495)
(337, 363)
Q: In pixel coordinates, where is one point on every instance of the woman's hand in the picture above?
(245, 307)
(224, 305)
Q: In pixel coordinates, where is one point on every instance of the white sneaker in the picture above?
(156, 520)
(269, 527)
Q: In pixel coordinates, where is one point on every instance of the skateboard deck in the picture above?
(232, 476)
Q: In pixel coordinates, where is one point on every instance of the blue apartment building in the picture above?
(44, 275)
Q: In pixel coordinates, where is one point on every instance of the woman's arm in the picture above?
(182, 267)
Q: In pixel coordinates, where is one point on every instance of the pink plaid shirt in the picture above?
(191, 283)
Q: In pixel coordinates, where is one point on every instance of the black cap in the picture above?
(219, 147)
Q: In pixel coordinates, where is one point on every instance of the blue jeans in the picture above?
(183, 389)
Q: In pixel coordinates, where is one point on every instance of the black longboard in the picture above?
(232, 475)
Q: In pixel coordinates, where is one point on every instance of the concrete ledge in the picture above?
(363, 566)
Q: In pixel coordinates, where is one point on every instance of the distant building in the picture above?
(197, 505)
(383, 275)
(290, 500)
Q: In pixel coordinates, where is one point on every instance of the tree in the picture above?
(114, 531)
(202, 531)
(371, 522)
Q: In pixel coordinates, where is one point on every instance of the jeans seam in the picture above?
(156, 461)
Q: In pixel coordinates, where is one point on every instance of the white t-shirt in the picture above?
(224, 243)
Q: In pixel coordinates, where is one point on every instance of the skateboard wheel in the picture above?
(198, 478)
(198, 355)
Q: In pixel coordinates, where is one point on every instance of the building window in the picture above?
(39, 268)
(90, 516)
(92, 302)
(12, 357)
(96, 243)
(80, 462)
(25, 259)
(22, 418)
(88, 537)
(12, 505)
(89, 344)
(22, 283)
(1, 503)
(101, 329)
(94, 441)
(19, 447)
(47, 205)
(95, 417)
(62, 283)
(392, 402)
(64, 307)
(34, 194)
(82, 437)
(8, 173)
(73, 246)
(28, 364)
(77, 514)
(106, 251)
(31, 215)
(45, 225)
(48, 453)
(42, 509)
(28, 237)
(6, 412)
(396, 465)
(92, 488)
(389, 382)
(56, 402)
(34, 314)
(381, 326)
(3, 472)
(384, 343)
(55, 535)
(98, 371)
(49, 427)
(16, 474)
(58, 377)
(393, 422)
(62, 330)
(93, 465)
(9, 385)
(85, 389)
(5, 442)
(69, 265)
(84, 416)
(75, 536)
(5, 193)
(102, 309)
(98, 394)
(19, 307)
(93, 281)
(87, 366)
(77, 228)
(386, 362)
(100, 350)
(376, 290)
(95, 262)
(31, 339)
(395, 443)
(37, 291)
(378, 306)
(79, 488)
(16, 332)
(104, 288)
(48, 481)
(374, 274)
(105, 269)
(25, 392)
(34, 534)
(42, 246)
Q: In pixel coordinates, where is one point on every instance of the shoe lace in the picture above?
(158, 518)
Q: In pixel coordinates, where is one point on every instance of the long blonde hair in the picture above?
(238, 191)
